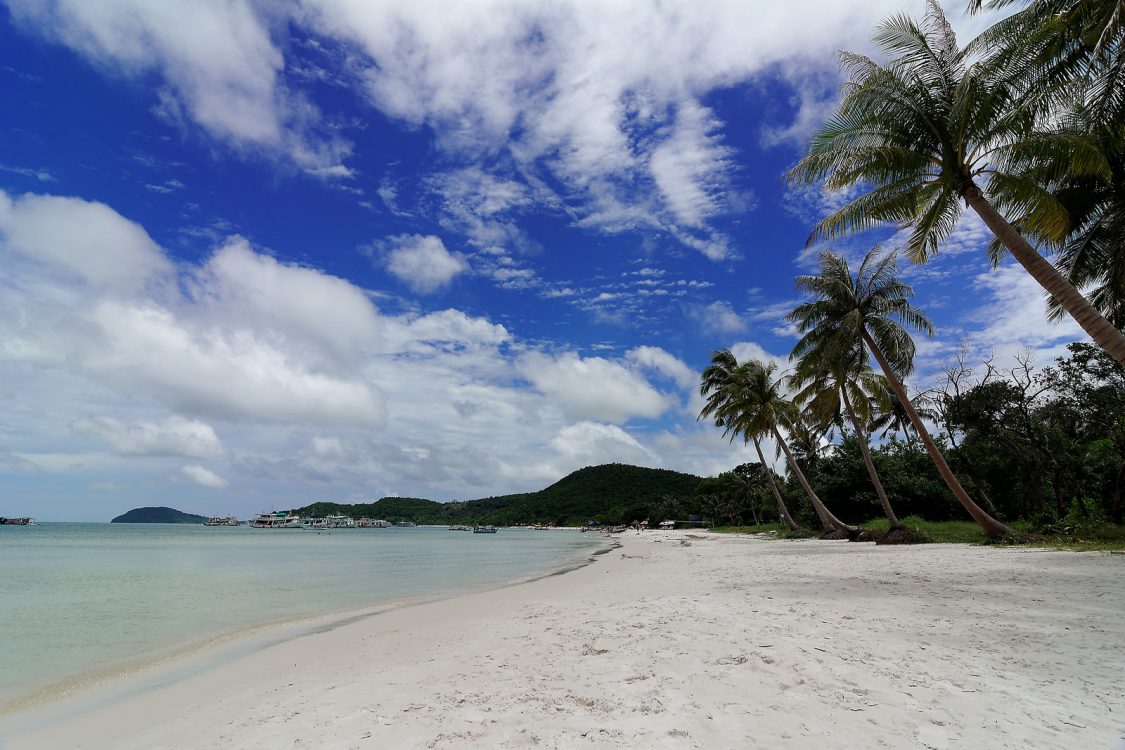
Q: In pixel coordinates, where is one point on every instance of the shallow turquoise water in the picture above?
(77, 597)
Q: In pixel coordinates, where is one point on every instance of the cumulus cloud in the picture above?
(421, 262)
(291, 300)
(593, 387)
(250, 339)
(203, 477)
(664, 363)
(174, 436)
(86, 241)
(592, 443)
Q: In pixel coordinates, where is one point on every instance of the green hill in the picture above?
(158, 515)
(611, 493)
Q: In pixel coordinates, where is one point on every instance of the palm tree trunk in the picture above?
(990, 525)
(785, 517)
(865, 449)
(1093, 323)
(833, 523)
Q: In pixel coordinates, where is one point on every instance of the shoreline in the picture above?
(103, 685)
(676, 640)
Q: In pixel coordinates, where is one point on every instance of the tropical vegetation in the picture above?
(1025, 126)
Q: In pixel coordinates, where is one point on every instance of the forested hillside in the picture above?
(611, 493)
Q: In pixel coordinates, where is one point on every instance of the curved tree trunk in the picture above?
(785, 517)
(990, 525)
(1058, 286)
(833, 523)
(861, 435)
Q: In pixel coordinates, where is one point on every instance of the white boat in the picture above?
(484, 529)
(221, 521)
(341, 522)
(373, 523)
(278, 519)
(458, 527)
(405, 524)
(328, 522)
(24, 521)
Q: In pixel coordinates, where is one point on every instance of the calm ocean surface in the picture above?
(79, 597)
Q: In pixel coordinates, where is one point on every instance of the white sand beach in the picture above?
(678, 640)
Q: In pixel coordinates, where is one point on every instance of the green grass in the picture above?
(1102, 537)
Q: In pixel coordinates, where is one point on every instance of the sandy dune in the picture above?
(676, 642)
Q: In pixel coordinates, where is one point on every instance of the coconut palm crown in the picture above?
(742, 399)
(933, 128)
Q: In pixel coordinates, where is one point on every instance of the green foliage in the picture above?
(158, 514)
(608, 494)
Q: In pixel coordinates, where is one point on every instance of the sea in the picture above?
(83, 600)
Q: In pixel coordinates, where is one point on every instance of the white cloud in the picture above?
(422, 262)
(690, 166)
(203, 477)
(593, 443)
(327, 313)
(218, 66)
(555, 88)
(664, 363)
(593, 387)
(174, 436)
(1014, 318)
(717, 318)
(84, 240)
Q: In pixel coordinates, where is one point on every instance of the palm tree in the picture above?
(744, 490)
(1074, 45)
(721, 384)
(893, 417)
(846, 384)
(924, 128)
(749, 402)
(1092, 252)
(868, 311)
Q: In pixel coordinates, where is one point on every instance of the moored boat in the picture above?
(278, 519)
(484, 529)
(458, 527)
(373, 523)
(22, 521)
(222, 521)
(406, 524)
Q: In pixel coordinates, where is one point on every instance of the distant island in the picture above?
(611, 493)
(158, 515)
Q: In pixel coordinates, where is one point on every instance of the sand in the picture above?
(677, 641)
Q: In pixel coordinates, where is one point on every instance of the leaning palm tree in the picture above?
(846, 384)
(723, 384)
(868, 311)
(751, 404)
(932, 128)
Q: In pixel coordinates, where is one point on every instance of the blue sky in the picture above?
(260, 254)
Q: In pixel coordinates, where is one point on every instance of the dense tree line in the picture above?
(607, 494)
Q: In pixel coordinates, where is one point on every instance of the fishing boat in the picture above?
(278, 519)
(484, 529)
